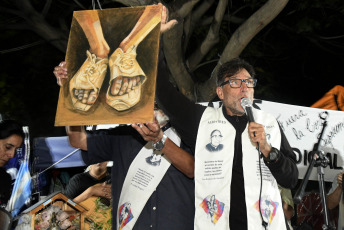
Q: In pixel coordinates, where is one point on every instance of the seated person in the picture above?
(90, 183)
(335, 198)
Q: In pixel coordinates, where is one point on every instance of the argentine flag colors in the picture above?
(22, 187)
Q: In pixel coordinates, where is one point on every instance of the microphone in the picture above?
(247, 106)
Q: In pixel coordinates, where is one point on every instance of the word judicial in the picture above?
(305, 158)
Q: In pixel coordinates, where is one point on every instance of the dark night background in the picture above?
(298, 58)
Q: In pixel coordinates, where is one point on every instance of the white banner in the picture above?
(302, 127)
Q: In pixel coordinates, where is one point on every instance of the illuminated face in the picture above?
(8, 148)
(99, 167)
(231, 97)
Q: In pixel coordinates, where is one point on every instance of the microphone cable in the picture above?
(246, 104)
(265, 224)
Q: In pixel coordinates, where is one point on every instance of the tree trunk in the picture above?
(240, 39)
(175, 61)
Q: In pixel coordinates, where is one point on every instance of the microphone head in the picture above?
(246, 102)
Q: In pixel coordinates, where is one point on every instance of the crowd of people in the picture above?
(203, 168)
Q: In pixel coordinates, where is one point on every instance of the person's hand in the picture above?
(340, 179)
(166, 25)
(257, 135)
(149, 131)
(60, 73)
(101, 189)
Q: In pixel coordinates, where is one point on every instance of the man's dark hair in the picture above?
(231, 68)
(10, 127)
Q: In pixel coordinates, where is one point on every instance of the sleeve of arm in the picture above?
(73, 188)
(184, 114)
(99, 149)
(180, 158)
(77, 136)
(284, 169)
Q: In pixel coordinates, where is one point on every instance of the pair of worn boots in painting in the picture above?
(126, 79)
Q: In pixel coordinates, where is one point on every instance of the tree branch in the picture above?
(10, 11)
(186, 8)
(39, 25)
(79, 4)
(46, 8)
(194, 19)
(135, 2)
(22, 47)
(174, 57)
(239, 40)
(17, 26)
(211, 39)
(173, 49)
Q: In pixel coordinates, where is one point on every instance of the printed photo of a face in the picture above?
(215, 141)
(154, 159)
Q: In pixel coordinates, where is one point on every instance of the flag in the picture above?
(22, 186)
(21, 190)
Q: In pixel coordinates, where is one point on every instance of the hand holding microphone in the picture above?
(256, 131)
(247, 106)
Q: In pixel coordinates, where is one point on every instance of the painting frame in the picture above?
(136, 27)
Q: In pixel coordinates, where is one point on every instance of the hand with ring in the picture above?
(257, 135)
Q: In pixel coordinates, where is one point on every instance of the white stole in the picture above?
(144, 175)
(213, 174)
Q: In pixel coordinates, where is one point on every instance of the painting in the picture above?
(111, 57)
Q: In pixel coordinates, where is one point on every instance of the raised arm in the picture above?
(181, 159)
(77, 137)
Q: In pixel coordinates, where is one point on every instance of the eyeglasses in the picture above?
(216, 136)
(236, 83)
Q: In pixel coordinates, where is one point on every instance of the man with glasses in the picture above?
(242, 177)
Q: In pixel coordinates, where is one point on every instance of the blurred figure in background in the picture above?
(335, 198)
(11, 138)
(90, 183)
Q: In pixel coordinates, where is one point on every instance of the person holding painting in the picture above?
(145, 195)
